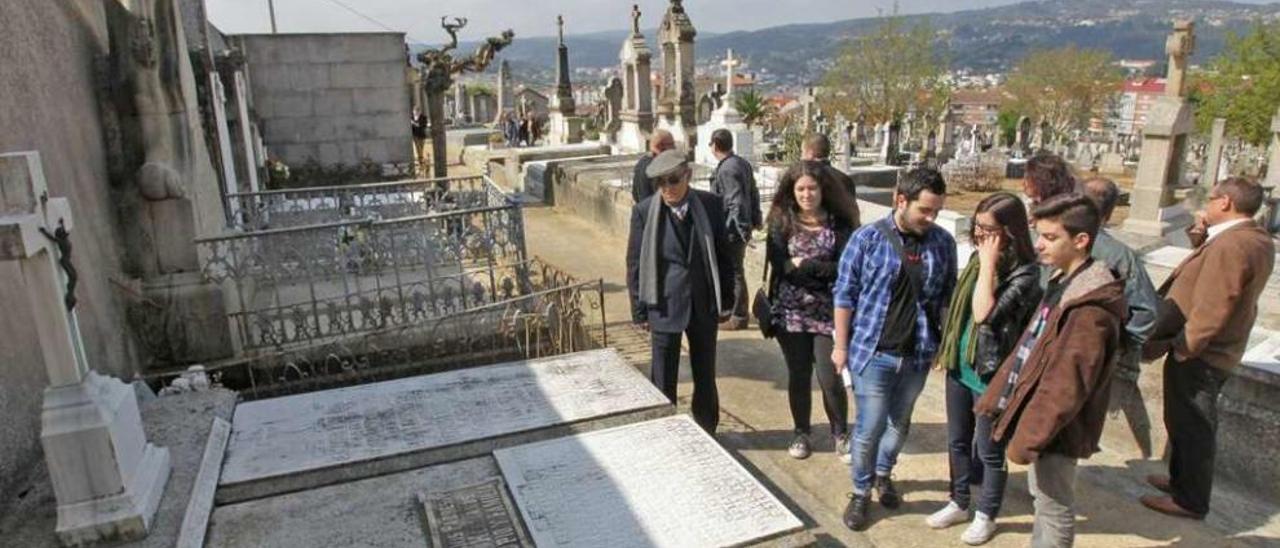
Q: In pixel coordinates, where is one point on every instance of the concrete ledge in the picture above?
(195, 523)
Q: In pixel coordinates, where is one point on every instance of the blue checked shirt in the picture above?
(868, 267)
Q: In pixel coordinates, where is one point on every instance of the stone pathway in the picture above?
(756, 428)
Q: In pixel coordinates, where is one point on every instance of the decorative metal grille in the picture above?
(566, 317)
(273, 209)
(305, 284)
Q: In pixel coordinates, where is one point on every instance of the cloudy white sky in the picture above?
(420, 18)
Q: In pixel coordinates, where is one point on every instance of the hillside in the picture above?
(990, 39)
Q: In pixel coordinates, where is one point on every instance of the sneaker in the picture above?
(889, 497)
(855, 513)
(800, 447)
(842, 449)
(980, 531)
(949, 515)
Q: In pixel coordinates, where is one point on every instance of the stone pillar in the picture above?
(637, 90)
(1154, 211)
(1213, 161)
(566, 127)
(246, 131)
(677, 108)
(504, 92)
(107, 479)
(1273, 165)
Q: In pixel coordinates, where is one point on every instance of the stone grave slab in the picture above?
(473, 515)
(663, 482)
(307, 440)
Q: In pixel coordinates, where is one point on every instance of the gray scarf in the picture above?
(649, 248)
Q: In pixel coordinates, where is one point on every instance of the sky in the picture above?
(420, 19)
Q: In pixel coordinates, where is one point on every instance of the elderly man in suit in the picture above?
(678, 263)
(1208, 307)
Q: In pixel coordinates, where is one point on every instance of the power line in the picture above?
(357, 13)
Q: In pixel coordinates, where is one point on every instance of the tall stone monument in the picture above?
(726, 117)
(107, 479)
(611, 111)
(1273, 165)
(1154, 210)
(566, 127)
(1213, 159)
(505, 98)
(676, 107)
(637, 90)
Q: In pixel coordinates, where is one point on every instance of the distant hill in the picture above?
(991, 39)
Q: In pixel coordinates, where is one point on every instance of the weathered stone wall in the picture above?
(334, 98)
(48, 104)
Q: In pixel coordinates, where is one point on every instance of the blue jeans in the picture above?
(885, 393)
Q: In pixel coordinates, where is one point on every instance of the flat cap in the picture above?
(666, 163)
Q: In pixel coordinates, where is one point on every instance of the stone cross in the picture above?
(1179, 47)
(106, 478)
(729, 65)
(635, 19)
(560, 27)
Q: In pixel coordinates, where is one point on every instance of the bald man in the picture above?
(641, 186)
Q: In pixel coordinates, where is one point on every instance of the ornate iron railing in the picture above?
(303, 285)
(555, 320)
(272, 209)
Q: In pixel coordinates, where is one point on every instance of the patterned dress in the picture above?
(803, 310)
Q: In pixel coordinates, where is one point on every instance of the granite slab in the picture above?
(307, 440)
(663, 482)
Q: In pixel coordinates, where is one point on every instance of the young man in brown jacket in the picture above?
(1049, 398)
(1207, 309)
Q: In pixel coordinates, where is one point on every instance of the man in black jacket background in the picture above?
(735, 182)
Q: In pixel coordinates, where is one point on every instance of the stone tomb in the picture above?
(307, 440)
(473, 515)
(663, 482)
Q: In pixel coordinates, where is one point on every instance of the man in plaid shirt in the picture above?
(897, 274)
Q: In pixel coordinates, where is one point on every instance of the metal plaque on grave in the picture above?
(473, 516)
(663, 482)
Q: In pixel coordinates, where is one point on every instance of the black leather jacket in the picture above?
(1017, 295)
(814, 274)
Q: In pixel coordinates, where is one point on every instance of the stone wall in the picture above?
(48, 104)
(332, 98)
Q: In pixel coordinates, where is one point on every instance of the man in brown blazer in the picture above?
(1208, 306)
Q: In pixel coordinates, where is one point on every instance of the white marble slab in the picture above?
(339, 428)
(1264, 351)
(195, 522)
(663, 482)
(1166, 257)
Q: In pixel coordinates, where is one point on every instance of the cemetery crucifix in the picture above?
(439, 68)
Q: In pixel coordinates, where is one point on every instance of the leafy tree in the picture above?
(895, 69)
(1064, 87)
(1007, 125)
(751, 105)
(1243, 85)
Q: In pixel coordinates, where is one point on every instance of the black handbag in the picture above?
(762, 307)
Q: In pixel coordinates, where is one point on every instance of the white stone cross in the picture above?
(1179, 47)
(106, 478)
(29, 219)
(729, 65)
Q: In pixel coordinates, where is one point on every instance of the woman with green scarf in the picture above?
(992, 303)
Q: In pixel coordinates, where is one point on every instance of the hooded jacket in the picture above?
(1060, 400)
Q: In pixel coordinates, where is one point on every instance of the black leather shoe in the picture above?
(855, 513)
(889, 497)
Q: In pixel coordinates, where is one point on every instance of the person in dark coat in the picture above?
(735, 182)
(641, 186)
(809, 224)
(677, 263)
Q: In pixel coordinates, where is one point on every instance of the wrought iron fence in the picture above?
(272, 209)
(568, 316)
(303, 285)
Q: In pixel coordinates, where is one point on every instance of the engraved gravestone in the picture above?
(313, 439)
(472, 516)
(664, 482)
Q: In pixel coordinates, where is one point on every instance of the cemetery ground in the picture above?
(966, 201)
(756, 427)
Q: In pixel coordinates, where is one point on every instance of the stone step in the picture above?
(308, 440)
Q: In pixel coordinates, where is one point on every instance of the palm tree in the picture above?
(752, 105)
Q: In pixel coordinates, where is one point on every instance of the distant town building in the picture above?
(980, 107)
(1136, 100)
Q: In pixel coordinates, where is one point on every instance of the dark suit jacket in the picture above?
(641, 186)
(684, 276)
(735, 182)
(1213, 296)
(847, 182)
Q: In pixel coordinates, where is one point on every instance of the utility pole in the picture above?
(271, 6)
